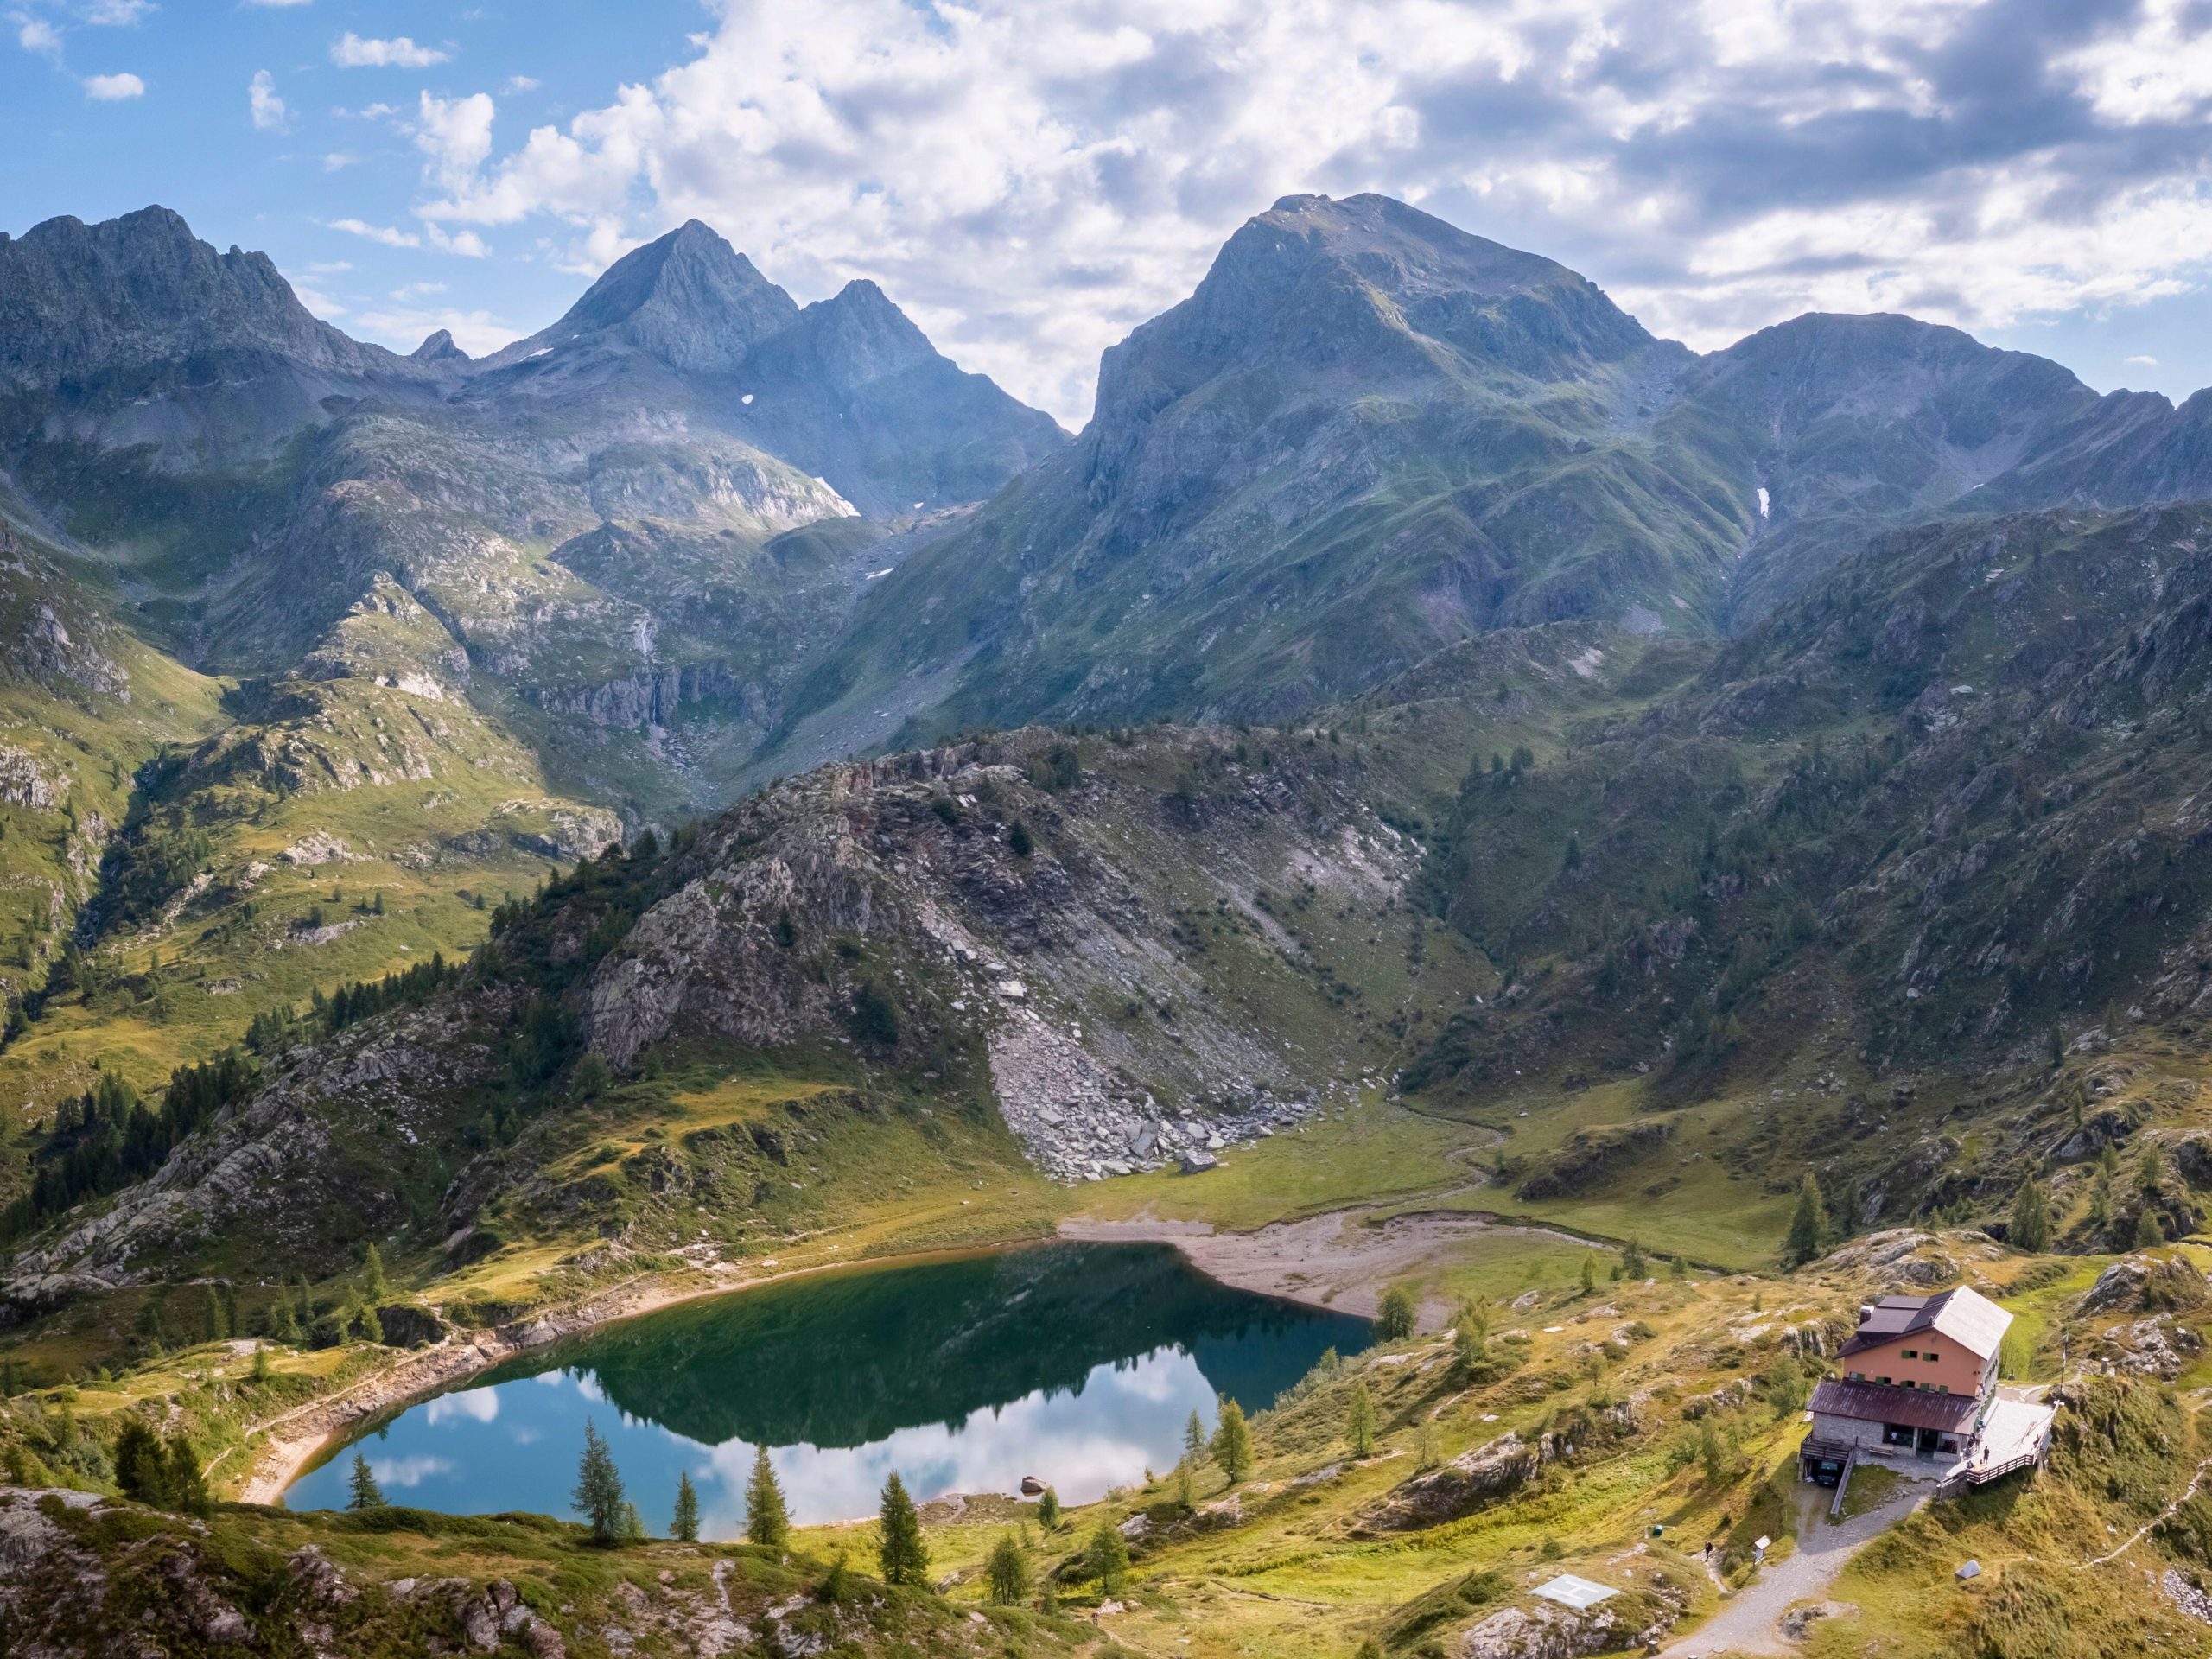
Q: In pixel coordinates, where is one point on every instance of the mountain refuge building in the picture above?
(1919, 1381)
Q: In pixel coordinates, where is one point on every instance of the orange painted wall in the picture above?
(1953, 1368)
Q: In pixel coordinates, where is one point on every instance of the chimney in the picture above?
(1865, 1312)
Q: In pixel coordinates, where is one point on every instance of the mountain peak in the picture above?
(439, 347)
(78, 299)
(688, 297)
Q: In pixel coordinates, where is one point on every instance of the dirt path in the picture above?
(1749, 1621)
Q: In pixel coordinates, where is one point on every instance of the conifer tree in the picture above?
(633, 1524)
(1194, 1438)
(1008, 1572)
(1359, 1422)
(1397, 1315)
(684, 1527)
(213, 1326)
(187, 1486)
(1108, 1558)
(1589, 1272)
(1232, 1441)
(767, 1520)
(2149, 1232)
(902, 1555)
(283, 1325)
(2028, 1228)
(599, 1496)
(141, 1470)
(373, 1287)
(362, 1490)
(1633, 1265)
(1808, 1225)
(1048, 1510)
(260, 1373)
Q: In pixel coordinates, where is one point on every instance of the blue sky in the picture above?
(1032, 180)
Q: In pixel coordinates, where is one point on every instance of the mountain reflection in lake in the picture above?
(1078, 1363)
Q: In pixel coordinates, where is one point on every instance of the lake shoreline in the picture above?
(297, 1437)
(1334, 1261)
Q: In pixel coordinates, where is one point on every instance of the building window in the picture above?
(1930, 1355)
(1859, 1376)
(1909, 1354)
(1942, 1388)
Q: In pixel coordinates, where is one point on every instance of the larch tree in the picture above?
(1232, 1441)
(768, 1518)
(362, 1491)
(902, 1553)
(599, 1496)
(683, 1525)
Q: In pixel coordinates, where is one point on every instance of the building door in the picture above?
(1926, 1446)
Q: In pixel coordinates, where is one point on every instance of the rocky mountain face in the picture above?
(1368, 434)
(1125, 956)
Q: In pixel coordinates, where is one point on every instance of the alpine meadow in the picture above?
(1465, 983)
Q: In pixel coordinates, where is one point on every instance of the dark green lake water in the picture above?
(1077, 1363)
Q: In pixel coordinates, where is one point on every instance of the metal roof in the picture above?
(1885, 1402)
(1571, 1591)
(1965, 1316)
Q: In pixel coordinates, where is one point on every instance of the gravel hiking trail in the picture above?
(1750, 1621)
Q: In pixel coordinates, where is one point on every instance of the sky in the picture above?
(1031, 180)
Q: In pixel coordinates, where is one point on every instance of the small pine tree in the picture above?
(283, 1325)
(684, 1526)
(902, 1553)
(1633, 1265)
(1678, 1268)
(365, 1324)
(142, 1471)
(767, 1519)
(1018, 842)
(633, 1524)
(1232, 1441)
(373, 1287)
(1808, 1225)
(1008, 1572)
(213, 1326)
(260, 1373)
(1194, 1438)
(2057, 1045)
(1589, 1272)
(362, 1490)
(1108, 1558)
(599, 1494)
(1397, 1315)
(1048, 1509)
(1186, 1496)
(1359, 1421)
(188, 1490)
(1712, 1453)
(2149, 1232)
(2028, 1228)
(303, 1303)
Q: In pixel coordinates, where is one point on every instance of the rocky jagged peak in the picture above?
(858, 334)
(1373, 288)
(439, 347)
(690, 299)
(79, 300)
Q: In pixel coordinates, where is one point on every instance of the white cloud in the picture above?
(405, 1472)
(456, 135)
(36, 34)
(522, 83)
(416, 290)
(2144, 362)
(338, 160)
(352, 52)
(404, 327)
(118, 14)
(113, 89)
(478, 1405)
(278, 5)
(262, 103)
(1032, 179)
(467, 243)
(386, 234)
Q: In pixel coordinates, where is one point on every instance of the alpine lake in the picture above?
(1079, 1364)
